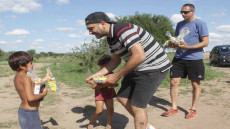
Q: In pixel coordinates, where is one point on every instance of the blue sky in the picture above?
(58, 25)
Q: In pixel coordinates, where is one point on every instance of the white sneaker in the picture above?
(150, 127)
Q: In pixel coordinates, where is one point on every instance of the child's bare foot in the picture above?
(90, 126)
(108, 126)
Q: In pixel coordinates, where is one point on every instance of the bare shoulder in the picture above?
(21, 80)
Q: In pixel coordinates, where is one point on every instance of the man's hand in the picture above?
(177, 45)
(183, 46)
(112, 79)
(173, 45)
(89, 79)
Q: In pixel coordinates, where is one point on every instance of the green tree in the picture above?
(2, 53)
(32, 52)
(156, 25)
(88, 54)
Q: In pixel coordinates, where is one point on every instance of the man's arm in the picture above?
(137, 57)
(109, 67)
(204, 43)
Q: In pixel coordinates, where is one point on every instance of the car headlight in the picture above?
(223, 57)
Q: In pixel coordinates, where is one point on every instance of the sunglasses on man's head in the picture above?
(185, 12)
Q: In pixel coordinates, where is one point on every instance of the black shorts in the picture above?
(193, 68)
(140, 87)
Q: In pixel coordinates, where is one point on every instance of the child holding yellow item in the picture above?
(103, 94)
(28, 115)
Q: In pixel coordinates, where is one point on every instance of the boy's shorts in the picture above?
(29, 119)
(140, 87)
(193, 68)
(104, 94)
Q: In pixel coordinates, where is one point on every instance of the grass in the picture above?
(8, 124)
(5, 70)
(70, 73)
(185, 91)
(7, 86)
(216, 92)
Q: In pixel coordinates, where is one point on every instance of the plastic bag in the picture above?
(52, 82)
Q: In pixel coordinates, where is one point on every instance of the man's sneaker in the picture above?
(170, 112)
(150, 127)
(191, 114)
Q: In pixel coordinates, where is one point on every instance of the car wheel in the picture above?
(210, 63)
(219, 63)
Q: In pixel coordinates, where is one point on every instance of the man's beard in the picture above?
(98, 36)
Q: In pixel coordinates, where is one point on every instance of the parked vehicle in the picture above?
(220, 55)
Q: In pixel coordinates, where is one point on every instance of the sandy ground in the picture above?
(73, 108)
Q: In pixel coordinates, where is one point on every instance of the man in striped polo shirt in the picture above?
(145, 68)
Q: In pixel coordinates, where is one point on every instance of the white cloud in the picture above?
(61, 48)
(19, 41)
(13, 17)
(80, 22)
(175, 18)
(221, 14)
(213, 23)
(18, 32)
(37, 45)
(39, 40)
(48, 30)
(19, 6)
(3, 42)
(61, 20)
(217, 36)
(224, 28)
(73, 36)
(62, 1)
(111, 16)
(218, 39)
(64, 29)
(214, 35)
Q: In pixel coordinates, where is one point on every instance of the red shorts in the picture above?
(104, 94)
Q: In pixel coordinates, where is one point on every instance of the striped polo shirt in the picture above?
(125, 35)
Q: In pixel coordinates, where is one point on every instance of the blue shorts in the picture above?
(29, 119)
(140, 87)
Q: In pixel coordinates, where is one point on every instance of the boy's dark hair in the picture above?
(104, 59)
(18, 59)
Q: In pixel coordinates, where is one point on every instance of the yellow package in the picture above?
(99, 79)
(52, 82)
(53, 85)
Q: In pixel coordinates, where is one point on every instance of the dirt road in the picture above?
(72, 108)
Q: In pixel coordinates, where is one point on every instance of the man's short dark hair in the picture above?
(97, 17)
(191, 6)
(18, 59)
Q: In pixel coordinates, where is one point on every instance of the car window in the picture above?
(214, 49)
(224, 49)
(217, 50)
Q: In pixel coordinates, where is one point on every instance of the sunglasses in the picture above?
(185, 12)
